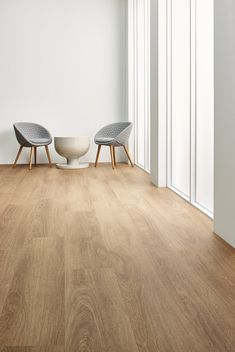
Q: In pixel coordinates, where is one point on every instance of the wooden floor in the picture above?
(100, 260)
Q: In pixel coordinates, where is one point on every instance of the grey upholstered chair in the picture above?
(114, 135)
(32, 135)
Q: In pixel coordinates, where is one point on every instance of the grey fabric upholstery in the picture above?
(32, 135)
(116, 134)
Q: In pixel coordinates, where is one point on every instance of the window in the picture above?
(139, 79)
(190, 101)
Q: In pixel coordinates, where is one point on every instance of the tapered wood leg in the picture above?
(35, 156)
(48, 155)
(128, 155)
(18, 155)
(97, 155)
(31, 158)
(112, 156)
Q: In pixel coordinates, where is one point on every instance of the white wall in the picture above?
(162, 92)
(158, 69)
(179, 98)
(154, 93)
(225, 119)
(62, 64)
(202, 176)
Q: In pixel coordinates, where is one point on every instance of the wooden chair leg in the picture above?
(112, 157)
(31, 158)
(35, 156)
(128, 155)
(97, 155)
(48, 155)
(18, 155)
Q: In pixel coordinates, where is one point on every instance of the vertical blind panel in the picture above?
(141, 84)
(180, 95)
(204, 104)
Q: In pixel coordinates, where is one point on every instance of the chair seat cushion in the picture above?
(40, 141)
(104, 140)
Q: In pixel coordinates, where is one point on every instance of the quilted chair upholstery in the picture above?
(114, 135)
(32, 135)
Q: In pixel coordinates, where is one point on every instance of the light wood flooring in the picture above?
(99, 260)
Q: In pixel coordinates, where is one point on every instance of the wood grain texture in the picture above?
(101, 261)
(31, 349)
(33, 311)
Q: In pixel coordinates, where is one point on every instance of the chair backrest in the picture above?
(120, 131)
(25, 131)
(123, 137)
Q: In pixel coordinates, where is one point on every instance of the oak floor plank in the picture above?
(42, 219)
(151, 319)
(85, 247)
(134, 286)
(99, 260)
(95, 316)
(9, 185)
(31, 349)
(7, 266)
(33, 312)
